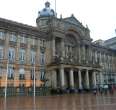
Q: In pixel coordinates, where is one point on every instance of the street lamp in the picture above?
(34, 78)
(6, 80)
(5, 93)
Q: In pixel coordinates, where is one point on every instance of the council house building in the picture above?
(57, 53)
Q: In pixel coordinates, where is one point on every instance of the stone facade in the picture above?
(22, 51)
(58, 53)
(77, 62)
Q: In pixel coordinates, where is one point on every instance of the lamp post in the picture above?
(34, 79)
(34, 86)
(6, 80)
(5, 93)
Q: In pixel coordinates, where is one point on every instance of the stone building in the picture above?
(110, 43)
(57, 53)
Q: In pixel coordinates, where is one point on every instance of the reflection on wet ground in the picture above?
(61, 102)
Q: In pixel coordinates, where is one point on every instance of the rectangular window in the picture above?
(33, 57)
(42, 74)
(33, 42)
(2, 35)
(42, 43)
(0, 71)
(1, 52)
(42, 59)
(21, 76)
(21, 55)
(32, 74)
(23, 39)
(11, 54)
(13, 37)
(10, 72)
(21, 73)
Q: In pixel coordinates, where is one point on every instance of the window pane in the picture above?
(2, 35)
(21, 54)
(21, 71)
(33, 56)
(23, 39)
(42, 59)
(1, 52)
(13, 37)
(11, 54)
(10, 72)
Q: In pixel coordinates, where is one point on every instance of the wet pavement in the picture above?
(62, 102)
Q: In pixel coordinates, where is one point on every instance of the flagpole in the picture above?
(55, 7)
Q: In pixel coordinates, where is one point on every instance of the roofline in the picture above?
(20, 27)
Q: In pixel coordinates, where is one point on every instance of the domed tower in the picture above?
(44, 15)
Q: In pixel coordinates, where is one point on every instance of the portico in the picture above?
(75, 78)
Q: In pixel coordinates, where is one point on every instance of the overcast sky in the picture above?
(99, 15)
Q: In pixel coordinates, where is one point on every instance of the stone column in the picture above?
(87, 79)
(95, 56)
(28, 51)
(79, 54)
(83, 47)
(80, 79)
(90, 54)
(6, 47)
(38, 53)
(53, 47)
(16, 77)
(62, 49)
(101, 78)
(54, 79)
(62, 77)
(71, 78)
(94, 79)
(17, 50)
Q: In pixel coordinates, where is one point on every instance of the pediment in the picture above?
(73, 20)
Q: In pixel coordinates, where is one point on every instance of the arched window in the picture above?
(70, 44)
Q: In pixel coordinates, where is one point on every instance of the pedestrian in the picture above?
(105, 88)
(101, 89)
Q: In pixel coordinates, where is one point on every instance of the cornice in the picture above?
(21, 28)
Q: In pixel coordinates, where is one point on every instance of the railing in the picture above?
(75, 61)
(25, 91)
